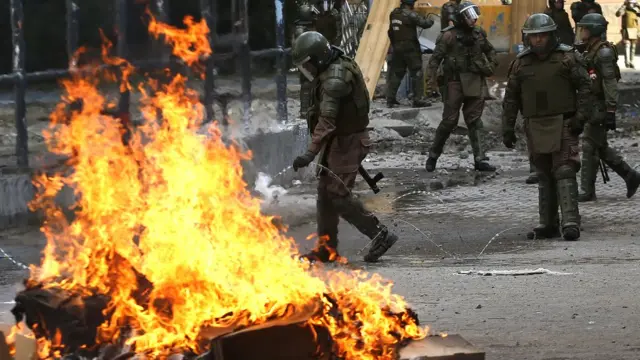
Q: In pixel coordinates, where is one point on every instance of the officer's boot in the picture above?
(628, 174)
(549, 226)
(354, 212)
(305, 96)
(417, 84)
(476, 140)
(326, 248)
(533, 175)
(567, 187)
(627, 54)
(442, 134)
(632, 53)
(588, 175)
(393, 84)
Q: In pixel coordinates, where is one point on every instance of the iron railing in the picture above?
(238, 40)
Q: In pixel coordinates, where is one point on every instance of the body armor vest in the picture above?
(590, 58)
(629, 19)
(465, 49)
(400, 27)
(353, 111)
(546, 87)
(327, 25)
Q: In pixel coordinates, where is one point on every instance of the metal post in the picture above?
(17, 21)
(281, 74)
(245, 63)
(72, 31)
(121, 23)
(208, 10)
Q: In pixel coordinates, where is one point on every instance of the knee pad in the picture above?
(564, 172)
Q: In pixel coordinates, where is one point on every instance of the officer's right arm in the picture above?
(439, 53)
(420, 21)
(606, 64)
(511, 103)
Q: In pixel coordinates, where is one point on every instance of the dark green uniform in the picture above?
(629, 12)
(403, 23)
(584, 7)
(329, 24)
(552, 93)
(338, 120)
(448, 13)
(601, 58)
(467, 58)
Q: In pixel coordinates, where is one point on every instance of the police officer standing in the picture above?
(561, 18)
(338, 125)
(602, 63)
(406, 53)
(629, 12)
(549, 84)
(329, 24)
(467, 58)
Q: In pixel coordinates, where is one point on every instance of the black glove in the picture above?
(610, 121)
(576, 126)
(303, 160)
(509, 139)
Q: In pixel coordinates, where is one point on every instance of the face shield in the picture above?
(582, 35)
(307, 69)
(470, 13)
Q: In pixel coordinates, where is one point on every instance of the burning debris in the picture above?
(168, 250)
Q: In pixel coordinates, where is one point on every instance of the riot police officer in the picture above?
(406, 54)
(467, 58)
(601, 58)
(629, 12)
(549, 84)
(338, 122)
(561, 18)
(584, 7)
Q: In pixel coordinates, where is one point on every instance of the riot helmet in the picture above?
(590, 26)
(311, 53)
(468, 14)
(306, 13)
(534, 27)
(409, 3)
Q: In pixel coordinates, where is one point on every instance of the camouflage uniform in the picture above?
(601, 59)
(551, 88)
(561, 18)
(629, 12)
(339, 116)
(329, 24)
(467, 58)
(406, 53)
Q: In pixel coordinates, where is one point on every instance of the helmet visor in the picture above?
(471, 12)
(582, 33)
(307, 69)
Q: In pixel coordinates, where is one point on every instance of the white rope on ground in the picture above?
(5, 255)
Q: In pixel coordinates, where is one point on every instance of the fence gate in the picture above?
(239, 39)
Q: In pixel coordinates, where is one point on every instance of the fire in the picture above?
(166, 228)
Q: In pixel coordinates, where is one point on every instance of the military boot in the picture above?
(326, 248)
(476, 140)
(588, 174)
(568, 198)
(420, 102)
(629, 175)
(549, 226)
(430, 165)
(417, 84)
(391, 103)
(354, 212)
(393, 84)
(533, 175)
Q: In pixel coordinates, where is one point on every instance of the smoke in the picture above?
(270, 193)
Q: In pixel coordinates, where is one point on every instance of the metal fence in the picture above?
(238, 39)
(354, 18)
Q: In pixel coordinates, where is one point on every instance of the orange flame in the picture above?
(171, 205)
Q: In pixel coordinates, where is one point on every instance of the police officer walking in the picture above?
(329, 24)
(467, 58)
(406, 54)
(629, 12)
(338, 126)
(601, 58)
(549, 84)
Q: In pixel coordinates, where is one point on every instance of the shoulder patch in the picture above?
(565, 48)
(447, 28)
(524, 53)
